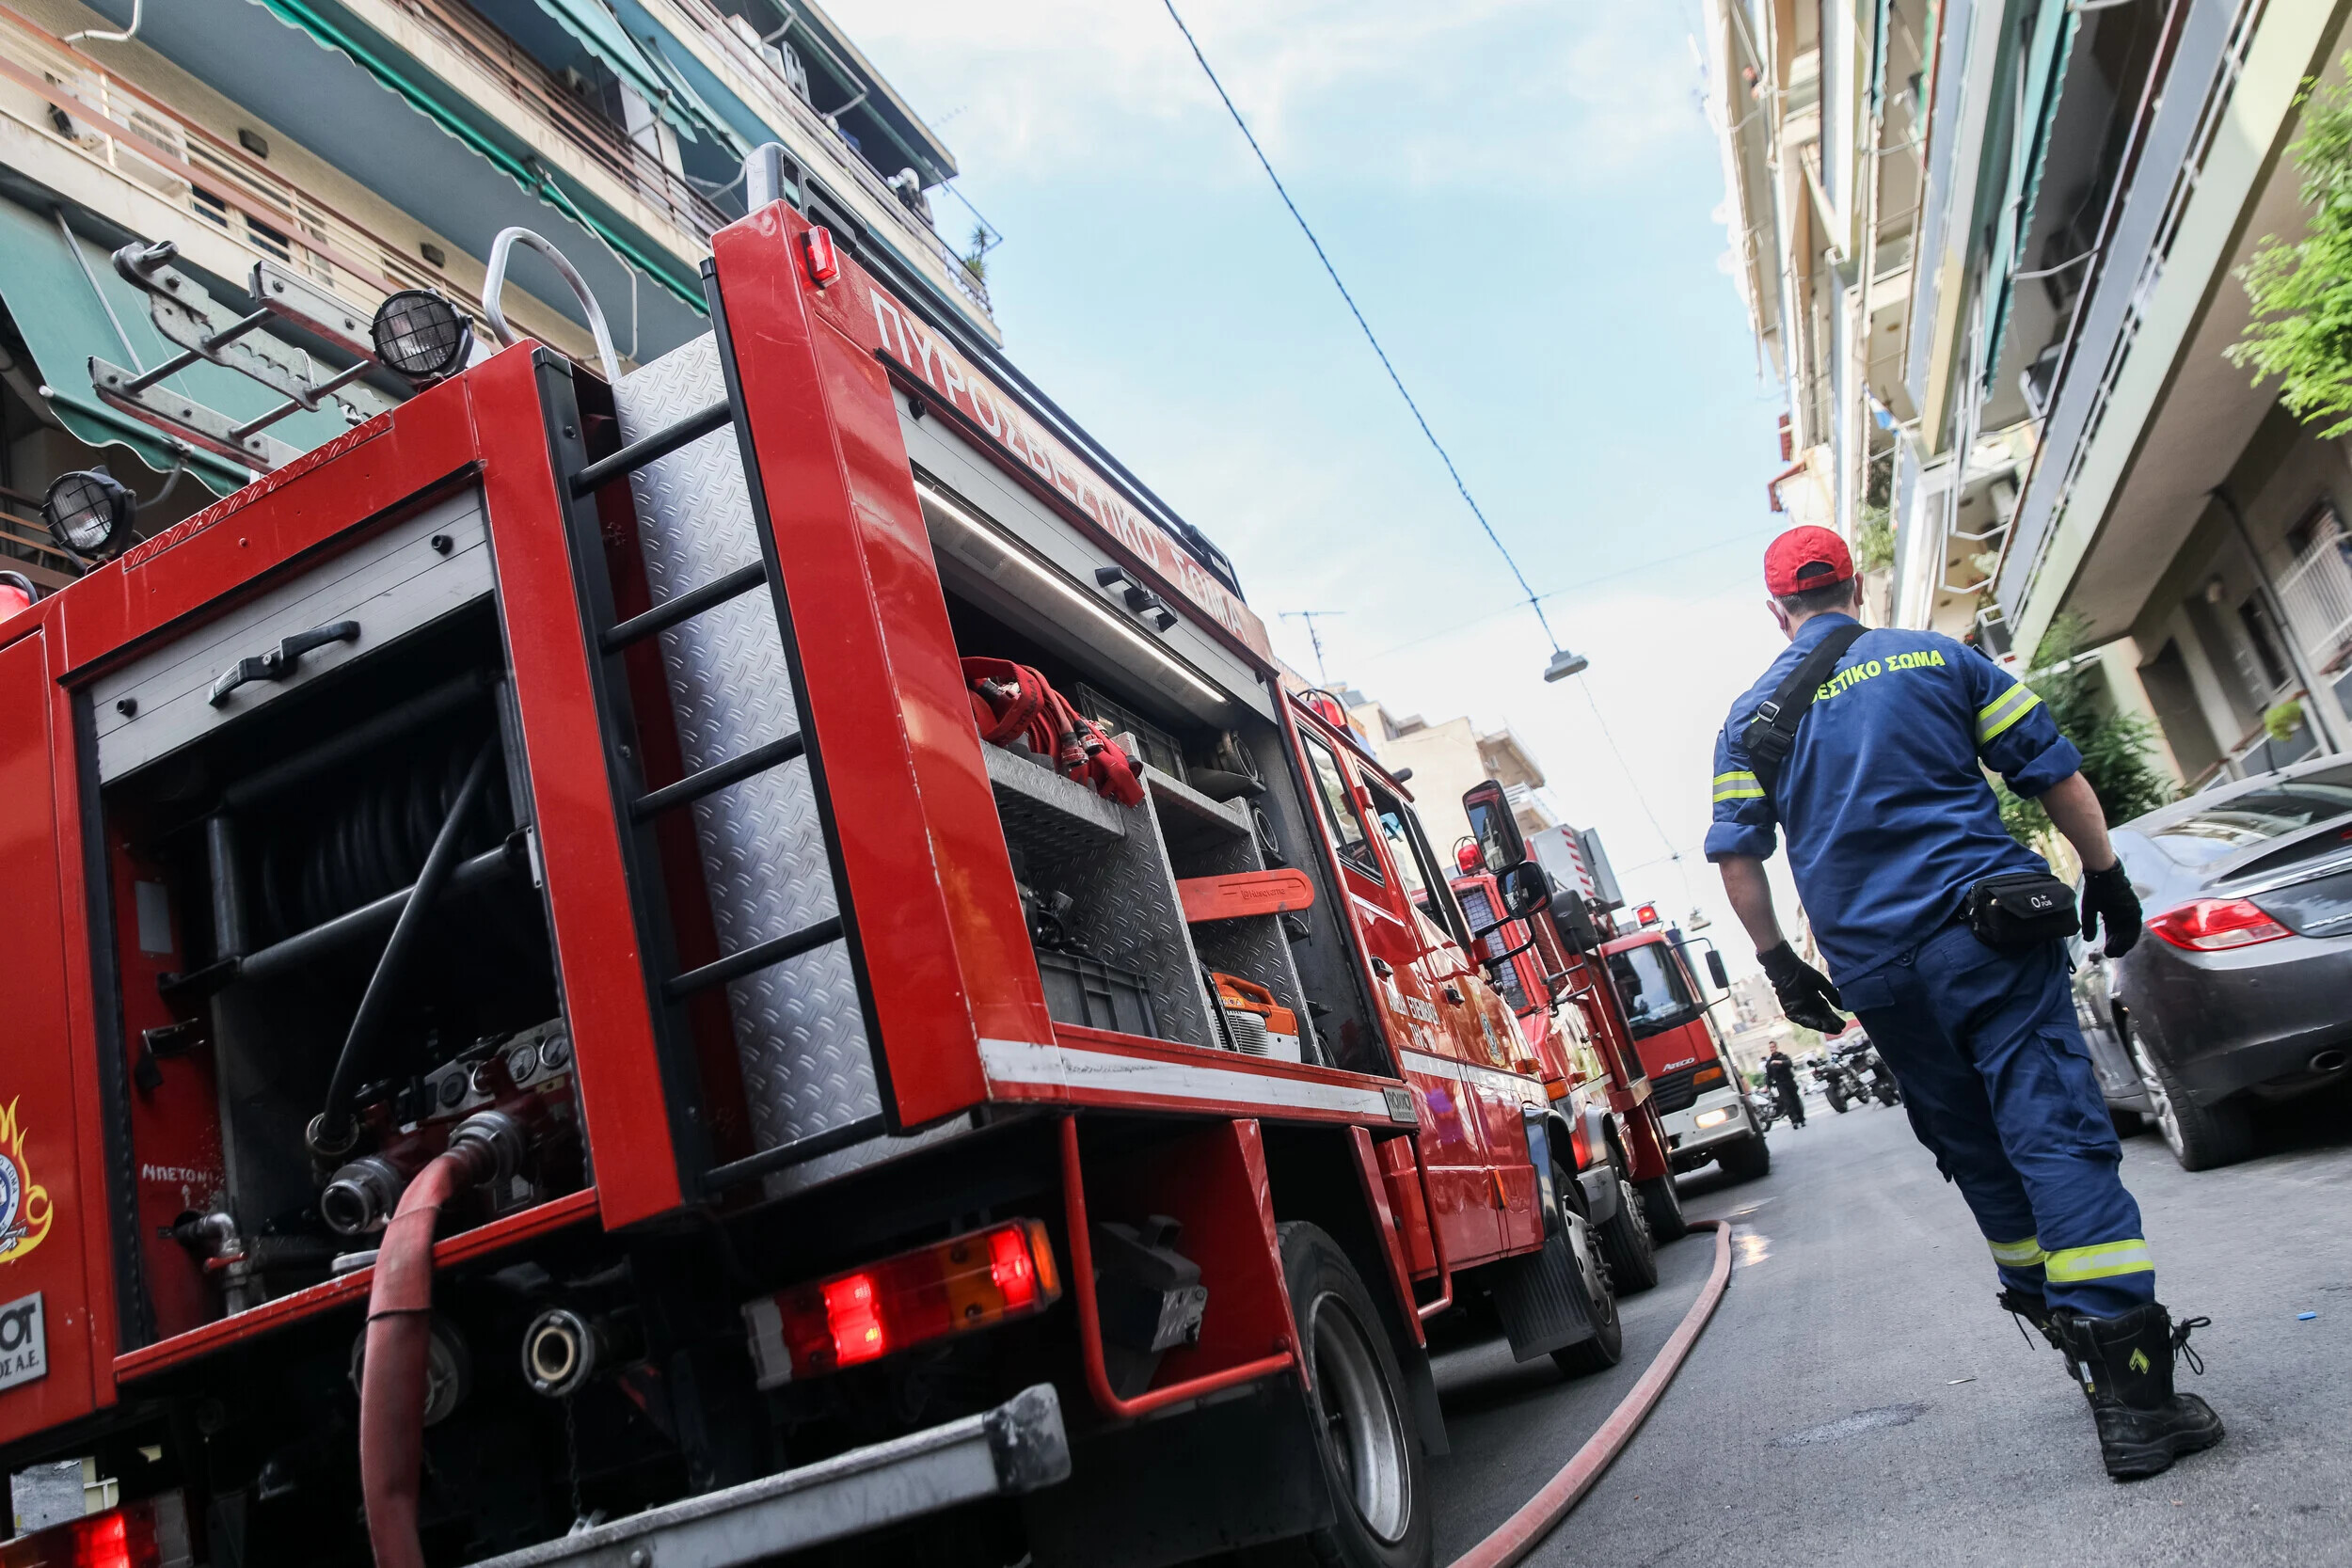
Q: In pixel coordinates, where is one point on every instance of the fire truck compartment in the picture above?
(268, 820)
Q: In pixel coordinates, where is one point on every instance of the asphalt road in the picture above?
(1859, 1400)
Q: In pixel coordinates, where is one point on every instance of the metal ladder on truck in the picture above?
(673, 986)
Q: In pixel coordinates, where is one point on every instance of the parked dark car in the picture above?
(2110, 1053)
(2242, 989)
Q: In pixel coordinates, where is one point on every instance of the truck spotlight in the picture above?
(89, 514)
(1565, 664)
(421, 335)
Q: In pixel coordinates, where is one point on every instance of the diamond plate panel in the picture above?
(799, 1032)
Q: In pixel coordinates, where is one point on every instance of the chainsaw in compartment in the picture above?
(744, 957)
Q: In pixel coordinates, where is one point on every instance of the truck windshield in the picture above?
(1651, 988)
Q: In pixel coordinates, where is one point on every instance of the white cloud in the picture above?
(1489, 93)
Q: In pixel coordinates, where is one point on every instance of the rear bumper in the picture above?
(1018, 1447)
(2226, 1021)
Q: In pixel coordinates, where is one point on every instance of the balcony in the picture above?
(717, 30)
(554, 102)
(2316, 593)
(74, 103)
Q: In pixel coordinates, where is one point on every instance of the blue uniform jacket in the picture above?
(1890, 817)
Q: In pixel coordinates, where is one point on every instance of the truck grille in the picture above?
(1675, 1091)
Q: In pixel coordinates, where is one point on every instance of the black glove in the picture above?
(2110, 894)
(1805, 994)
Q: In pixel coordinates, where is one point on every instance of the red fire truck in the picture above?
(545, 1035)
(1549, 969)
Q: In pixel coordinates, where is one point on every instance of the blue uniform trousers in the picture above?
(2000, 1088)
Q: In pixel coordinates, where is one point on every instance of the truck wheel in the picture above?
(1625, 1240)
(1606, 1348)
(1369, 1450)
(1748, 1158)
(1662, 1203)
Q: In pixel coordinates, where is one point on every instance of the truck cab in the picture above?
(1697, 1090)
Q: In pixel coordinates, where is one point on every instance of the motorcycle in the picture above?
(1840, 1083)
(1766, 1104)
(1861, 1075)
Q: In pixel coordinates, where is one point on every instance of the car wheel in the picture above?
(1661, 1202)
(2200, 1136)
(1606, 1348)
(1625, 1240)
(1746, 1160)
(1370, 1450)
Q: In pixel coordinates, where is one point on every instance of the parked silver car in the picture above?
(2242, 988)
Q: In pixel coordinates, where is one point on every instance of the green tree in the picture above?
(2301, 330)
(1873, 539)
(2117, 748)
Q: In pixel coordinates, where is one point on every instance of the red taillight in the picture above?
(150, 1533)
(2210, 925)
(967, 1282)
(820, 257)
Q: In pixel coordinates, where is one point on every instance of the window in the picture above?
(1338, 809)
(1408, 850)
(2244, 820)
(2264, 635)
(1650, 985)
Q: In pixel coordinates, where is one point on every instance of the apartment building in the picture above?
(2032, 382)
(371, 146)
(1446, 758)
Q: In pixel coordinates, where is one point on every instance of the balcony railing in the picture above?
(58, 91)
(2317, 595)
(712, 23)
(552, 100)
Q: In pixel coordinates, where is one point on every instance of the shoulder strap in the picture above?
(1772, 734)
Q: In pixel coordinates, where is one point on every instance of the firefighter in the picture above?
(1872, 760)
(1780, 1073)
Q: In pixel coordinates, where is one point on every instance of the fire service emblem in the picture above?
(24, 1212)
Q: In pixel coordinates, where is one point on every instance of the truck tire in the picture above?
(1366, 1437)
(1606, 1348)
(1748, 1158)
(1662, 1201)
(1625, 1240)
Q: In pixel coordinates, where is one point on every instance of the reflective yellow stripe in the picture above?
(2003, 711)
(2017, 1255)
(1738, 786)
(2073, 1265)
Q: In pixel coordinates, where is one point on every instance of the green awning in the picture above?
(598, 31)
(329, 27)
(2042, 69)
(60, 305)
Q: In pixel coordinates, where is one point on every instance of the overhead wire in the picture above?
(1530, 597)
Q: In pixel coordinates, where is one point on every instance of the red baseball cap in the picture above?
(1805, 558)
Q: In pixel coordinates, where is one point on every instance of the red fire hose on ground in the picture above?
(1541, 1514)
(400, 1328)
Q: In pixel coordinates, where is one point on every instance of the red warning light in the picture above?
(1647, 914)
(820, 257)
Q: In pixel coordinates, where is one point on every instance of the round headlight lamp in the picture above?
(89, 514)
(421, 335)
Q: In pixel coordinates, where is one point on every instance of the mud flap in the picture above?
(1540, 1298)
(1139, 1496)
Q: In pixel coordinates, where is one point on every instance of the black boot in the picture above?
(2125, 1366)
(2031, 1308)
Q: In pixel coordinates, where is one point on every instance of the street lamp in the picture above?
(1565, 664)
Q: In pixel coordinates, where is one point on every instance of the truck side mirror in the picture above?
(1526, 889)
(1716, 972)
(1493, 826)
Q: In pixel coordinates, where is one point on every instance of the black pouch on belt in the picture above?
(2022, 909)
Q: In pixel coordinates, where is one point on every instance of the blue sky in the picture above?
(1523, 196)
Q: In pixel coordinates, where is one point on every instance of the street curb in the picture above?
(1524, 1530)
